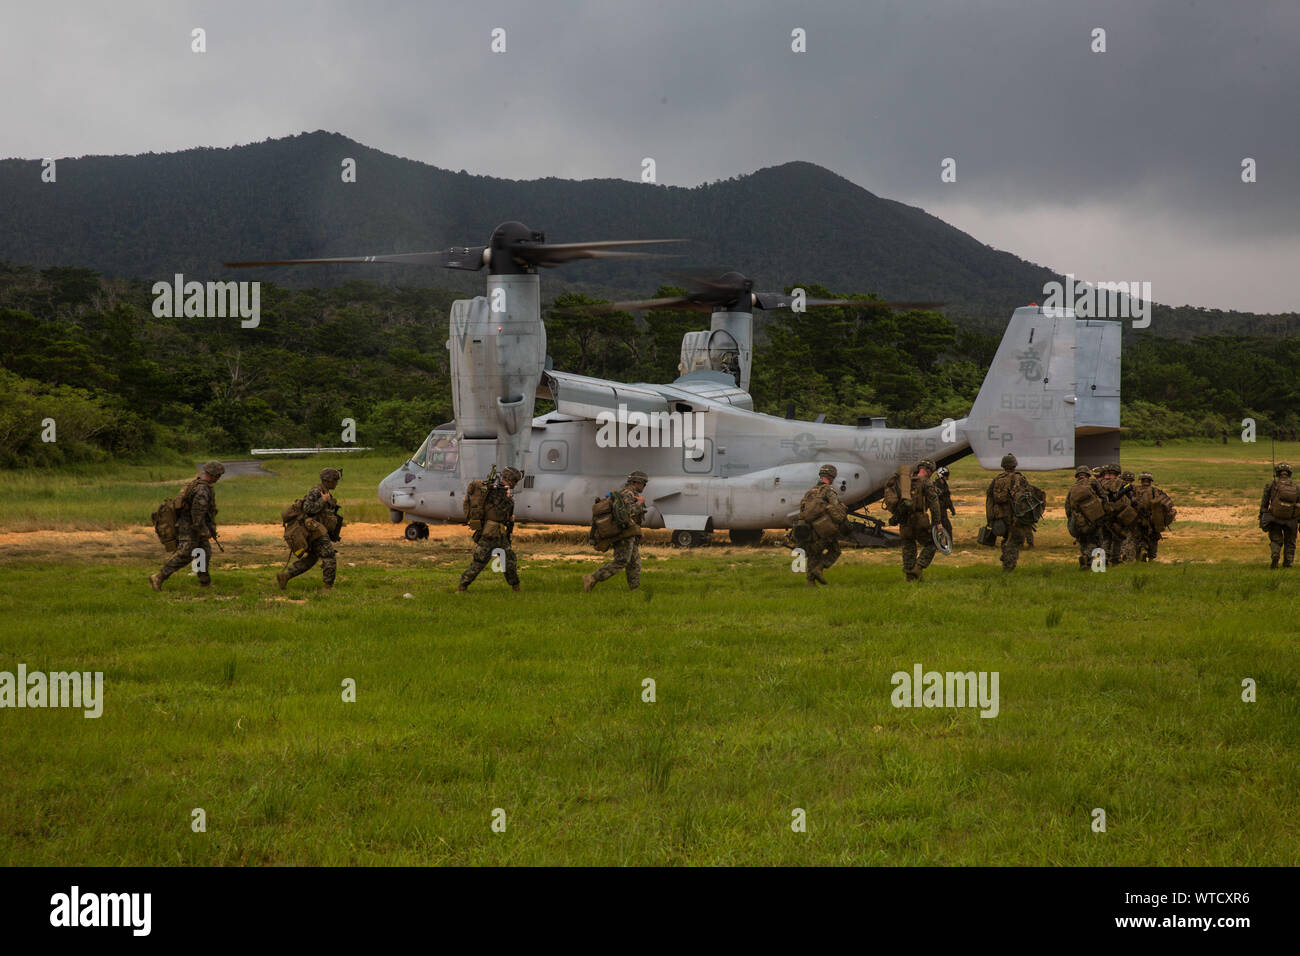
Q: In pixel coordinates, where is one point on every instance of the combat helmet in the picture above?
(330, 474)
(1112, 468)
(924, 463)
(1127, 476)
(1282, 468)
(214, 468)
(1095, 471)
(827, 471)
(941, 471)
(1009, 463)
(1146, 476)
(512, 475)
(1083, 471)
(638, 476)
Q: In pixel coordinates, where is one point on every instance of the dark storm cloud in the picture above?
(1150, 133)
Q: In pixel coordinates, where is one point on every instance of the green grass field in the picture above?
(1120, 690)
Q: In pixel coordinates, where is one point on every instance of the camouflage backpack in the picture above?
(619, 511)
(813, 505)
(1002, 488)
(475, 503)
(1085, 503)
(1284, 503)
(166, 519)
(1160, 511)
(893, 496)
(605, 529)
(1028, 504)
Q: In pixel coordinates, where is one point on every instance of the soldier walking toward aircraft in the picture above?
(823, 512)
(1085, 511)
(196, 512)
(312, 527)
(1121, 515)
(945, 499)
(918, 514)
(1155, 513)
(496, 527)
(1279, 511)
(999, 510)
(626, 538)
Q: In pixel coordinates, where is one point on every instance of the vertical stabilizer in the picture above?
(1026, 405)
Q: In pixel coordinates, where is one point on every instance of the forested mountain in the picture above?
(89, 353)
(153, 215)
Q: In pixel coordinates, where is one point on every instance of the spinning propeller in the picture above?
(514, 249)
(733, 292)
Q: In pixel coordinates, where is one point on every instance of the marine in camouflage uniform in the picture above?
(1014, 484)
(823, 551)
(1117, 539)
(196, 525)
(921, 512)
(319, 515)
(499, 508)
(1281, 534)
(945, 499)
(1146, 537)
(1090, 539)
(627, 549)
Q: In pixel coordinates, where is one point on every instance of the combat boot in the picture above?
(462, 589)
(588, 582)
(282, 579)
(817, 576)
(156, 581)
(1273, 565)
(514, 587)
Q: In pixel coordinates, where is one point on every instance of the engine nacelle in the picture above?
(497, 348)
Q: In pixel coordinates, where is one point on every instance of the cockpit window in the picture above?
(438, 453)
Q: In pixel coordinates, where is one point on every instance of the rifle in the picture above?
(217, 542)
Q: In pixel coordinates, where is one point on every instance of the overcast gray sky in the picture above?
(1122, 165)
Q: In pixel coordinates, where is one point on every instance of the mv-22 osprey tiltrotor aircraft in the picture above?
(1051, 397)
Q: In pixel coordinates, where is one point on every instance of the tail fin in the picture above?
(1026, 405)
(1096, 414)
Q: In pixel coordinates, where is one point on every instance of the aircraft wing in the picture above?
(716, 386)
(584, 397)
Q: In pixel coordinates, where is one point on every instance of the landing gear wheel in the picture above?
(689, 539)
(746, 537)
(417, 531)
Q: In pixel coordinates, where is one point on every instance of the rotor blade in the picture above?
(704, 280)
(547, 259)
(460, 257)
(775, 300)
(678, 303)
(642, 305)
(603, 244)
(553, 254)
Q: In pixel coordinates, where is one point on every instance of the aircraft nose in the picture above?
(387, 487)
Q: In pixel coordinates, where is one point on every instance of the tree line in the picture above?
(88, 353)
